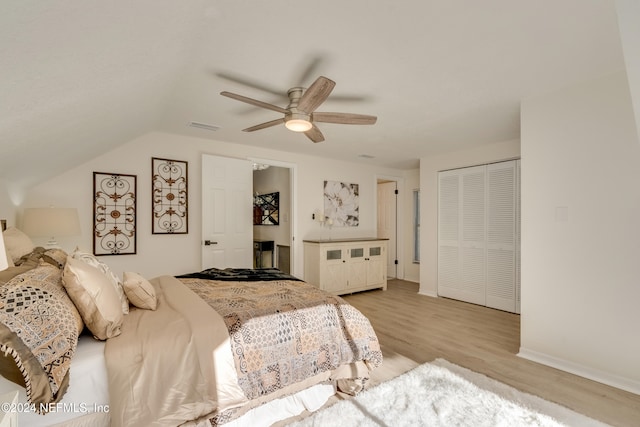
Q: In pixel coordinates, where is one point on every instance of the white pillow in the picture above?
(95, 298)
(104, 268)
(140, 291)
(17, 243)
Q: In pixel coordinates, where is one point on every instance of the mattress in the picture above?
(85, 403)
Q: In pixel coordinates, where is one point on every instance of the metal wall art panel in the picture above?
(114, 214)
(169, 196)
(341, 204)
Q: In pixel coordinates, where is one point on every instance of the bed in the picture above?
(217, 347)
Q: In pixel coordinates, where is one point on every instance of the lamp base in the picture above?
(52, 243)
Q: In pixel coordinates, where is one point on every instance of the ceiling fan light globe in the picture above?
(298, 125)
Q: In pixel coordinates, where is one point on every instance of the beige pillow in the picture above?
(17, 244)
(139, 291)
(94, 297)
(104, 268)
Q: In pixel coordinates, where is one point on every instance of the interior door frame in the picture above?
(400, 233)
(296, 246)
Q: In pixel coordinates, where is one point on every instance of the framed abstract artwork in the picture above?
(266, 209)
(169, 198)
(341, 204)
(114, 214)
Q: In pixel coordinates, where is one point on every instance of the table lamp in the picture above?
(52, 223)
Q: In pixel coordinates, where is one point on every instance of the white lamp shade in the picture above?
(51, 222)
(3, 255)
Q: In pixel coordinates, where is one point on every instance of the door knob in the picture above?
(209, 243)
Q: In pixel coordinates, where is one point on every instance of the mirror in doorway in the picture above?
(265, 209)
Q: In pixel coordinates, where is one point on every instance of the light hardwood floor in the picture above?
(484, 340)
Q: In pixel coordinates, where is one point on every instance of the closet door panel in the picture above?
(501, 236)
(448, 233)
(473, 239)
(461, 235)
(518, 204)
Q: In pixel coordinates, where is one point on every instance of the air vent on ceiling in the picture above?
(204, 126)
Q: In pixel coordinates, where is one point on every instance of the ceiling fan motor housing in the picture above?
(297, 122)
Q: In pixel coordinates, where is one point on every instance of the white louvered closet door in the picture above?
(448, 232)
(501, 236)
(518, 235)
(478, 239)
(461, 255)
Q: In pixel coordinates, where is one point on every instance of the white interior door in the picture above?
(227, 225)
(387, 217)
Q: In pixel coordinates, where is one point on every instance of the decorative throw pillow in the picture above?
(17, 244)
(139, 291)
(94, 296)
(104, 268)
(12, 272)
(39, 328)
(55, 257)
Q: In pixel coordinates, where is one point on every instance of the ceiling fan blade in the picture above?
(345, 118)
(309, 70)
(254, 102)
(314, 134)
(317, 93)
(349, 98)
(264, 125)
(250, 83)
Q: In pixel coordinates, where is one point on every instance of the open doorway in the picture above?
(273, 215)
(387, 222)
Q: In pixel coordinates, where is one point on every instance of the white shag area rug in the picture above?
(443, 394)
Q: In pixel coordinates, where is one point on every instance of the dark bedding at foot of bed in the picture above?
(240, 274)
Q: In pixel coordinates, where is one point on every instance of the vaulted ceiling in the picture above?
(80, 77)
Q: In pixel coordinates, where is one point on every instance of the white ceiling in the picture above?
(80, 77)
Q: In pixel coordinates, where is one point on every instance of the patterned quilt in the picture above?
(284, 331)
(268, 339)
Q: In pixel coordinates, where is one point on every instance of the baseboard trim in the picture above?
(581, 370)
(428, 294)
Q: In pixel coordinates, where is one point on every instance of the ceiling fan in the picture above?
(300, 115)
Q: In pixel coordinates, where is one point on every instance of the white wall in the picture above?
(628, 18)
(429, 168)
(175, 254)
(581, 272)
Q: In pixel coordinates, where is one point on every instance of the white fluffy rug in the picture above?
(444, 394)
